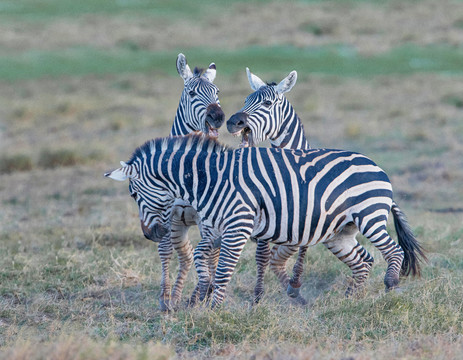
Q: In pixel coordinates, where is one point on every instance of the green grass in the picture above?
(330, 60)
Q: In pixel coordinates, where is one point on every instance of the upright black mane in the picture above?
(191, 141)
(198, 71)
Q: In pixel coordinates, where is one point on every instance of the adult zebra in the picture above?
(309, 196)
(267, 114)
(198, 111)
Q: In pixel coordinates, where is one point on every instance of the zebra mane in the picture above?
(273, 83)
(198, 71)
(173, 143)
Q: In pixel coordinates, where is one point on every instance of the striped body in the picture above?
(305, 197)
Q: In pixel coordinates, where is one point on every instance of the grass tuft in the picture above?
(10, 164)
(50, 159)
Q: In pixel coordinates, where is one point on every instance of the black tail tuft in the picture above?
(413, 251)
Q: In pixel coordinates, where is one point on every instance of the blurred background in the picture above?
(83, 83)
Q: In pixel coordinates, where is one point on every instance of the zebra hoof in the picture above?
(396, 290)
(165, 305)
(257, 298)
(293, 292)
(299, 301)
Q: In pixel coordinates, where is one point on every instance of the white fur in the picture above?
(287, 83)
(210, 73)
(183, 68)
(255, 82)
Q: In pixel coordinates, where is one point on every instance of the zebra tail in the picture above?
(414, 253)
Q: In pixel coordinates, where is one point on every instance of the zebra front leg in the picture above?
(262, 260)
(182, 246)
(202, 255)
(347, 249)
(232, 245)
(165, 254)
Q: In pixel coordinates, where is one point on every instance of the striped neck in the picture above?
(180, 127)
(291, 133)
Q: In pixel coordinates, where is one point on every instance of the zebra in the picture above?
(309, 196)
(198, 111)
(267, 114)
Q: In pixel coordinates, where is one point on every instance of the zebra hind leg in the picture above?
(390, 250)
(295, 283)
(347, 249)
(279, 258)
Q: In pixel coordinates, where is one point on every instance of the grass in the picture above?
(329, 60)
(78, 279)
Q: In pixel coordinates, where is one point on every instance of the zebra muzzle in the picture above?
(154, 233)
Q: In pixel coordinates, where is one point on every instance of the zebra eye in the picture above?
(134, 196)
(192, 93)
(267, 103)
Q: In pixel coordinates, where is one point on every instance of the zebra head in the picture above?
(154, 200)
(199, 108)
(264, 110)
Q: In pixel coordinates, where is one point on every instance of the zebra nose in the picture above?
(237, 122)
(215, 116)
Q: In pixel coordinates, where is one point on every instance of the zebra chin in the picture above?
(155, 233)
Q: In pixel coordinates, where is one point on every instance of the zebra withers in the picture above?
(198, 111)
(309, 196)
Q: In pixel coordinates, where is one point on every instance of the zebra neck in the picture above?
(180, 126)
(291, 134)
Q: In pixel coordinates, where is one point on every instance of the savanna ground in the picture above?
(82, 83)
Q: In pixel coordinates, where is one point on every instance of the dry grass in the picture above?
(77, 278)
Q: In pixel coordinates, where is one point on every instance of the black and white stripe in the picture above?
(292, 197)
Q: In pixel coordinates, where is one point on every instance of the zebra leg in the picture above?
(182, 246)
(232, 245)
(202, 254)
(347, 249)
(165, 254)
(280, 255)
(295, 283)
(391, 251)
(262, 261)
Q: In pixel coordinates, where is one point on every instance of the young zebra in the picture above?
(294, 197)
(267, 114)
(198, 111)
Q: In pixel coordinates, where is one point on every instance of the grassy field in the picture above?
(84, 83)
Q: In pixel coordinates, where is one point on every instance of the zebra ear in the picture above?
(287, 83)
(123, 173)
(210, 73)
(255, 82)
(183, 68)
(117, 174)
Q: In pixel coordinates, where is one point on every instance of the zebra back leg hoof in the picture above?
(391, 283)
(293, 292)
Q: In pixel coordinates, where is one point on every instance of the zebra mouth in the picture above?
(246, 137)
(212, 131)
